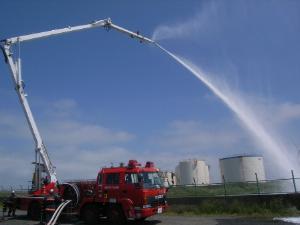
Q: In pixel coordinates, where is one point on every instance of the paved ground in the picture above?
(164, 220)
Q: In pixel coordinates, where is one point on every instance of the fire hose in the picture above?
(57, 212)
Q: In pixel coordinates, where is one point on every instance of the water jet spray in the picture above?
(245, 114)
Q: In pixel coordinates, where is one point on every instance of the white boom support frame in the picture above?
(15, 69)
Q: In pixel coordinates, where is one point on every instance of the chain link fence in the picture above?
(258, 187)
(16, 188)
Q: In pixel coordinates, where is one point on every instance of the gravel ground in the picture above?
(163, 220)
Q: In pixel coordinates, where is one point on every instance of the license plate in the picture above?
(159, 210)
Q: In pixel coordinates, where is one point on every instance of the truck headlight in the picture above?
(146, 206)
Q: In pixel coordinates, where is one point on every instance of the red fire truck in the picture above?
(121, 193)
(118, 193)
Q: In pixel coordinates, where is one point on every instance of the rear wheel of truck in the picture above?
(116, 215)
(90, 214)
(34, 211)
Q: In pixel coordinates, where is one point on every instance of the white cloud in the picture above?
(61, 130)
(64, 132)
(200, 22)
(287, 112)
(66, 128)
(13, 125)
(15, 168)
(196, 135)
(63, 108)
(65, 104)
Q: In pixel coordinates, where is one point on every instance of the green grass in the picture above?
(3, 194)
(276, 207)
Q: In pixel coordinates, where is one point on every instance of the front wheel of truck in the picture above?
(116, 215)
(90, 214)
(140, 219)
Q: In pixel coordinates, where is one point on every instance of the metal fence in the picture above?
(16, 188)
(258, 187)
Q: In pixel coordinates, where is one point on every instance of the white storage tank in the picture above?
(192, 172)
(168, 178)
(242, 168)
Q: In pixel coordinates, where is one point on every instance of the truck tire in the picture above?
(140, 219)
(90, 214)
(116, 215)
(34, 211)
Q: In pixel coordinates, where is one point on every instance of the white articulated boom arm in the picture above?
(98, 23)
(15, 69)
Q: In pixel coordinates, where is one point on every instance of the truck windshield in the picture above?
(148, 179)
(151, 179)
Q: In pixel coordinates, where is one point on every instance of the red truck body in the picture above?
(118, 193)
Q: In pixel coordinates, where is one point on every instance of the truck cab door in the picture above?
(111, 187)
(130, 187)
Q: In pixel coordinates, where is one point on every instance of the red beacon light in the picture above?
(149, 164)
(133, 164)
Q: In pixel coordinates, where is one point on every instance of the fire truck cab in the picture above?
(122, 193)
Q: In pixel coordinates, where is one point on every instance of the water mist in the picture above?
(269, 143)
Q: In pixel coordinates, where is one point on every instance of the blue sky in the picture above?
(100, 97)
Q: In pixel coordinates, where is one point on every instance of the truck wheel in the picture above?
(34, 211)
(140, 219)
(116, 216)
(90, 214)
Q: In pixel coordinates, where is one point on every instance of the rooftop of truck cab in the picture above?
(128, 170)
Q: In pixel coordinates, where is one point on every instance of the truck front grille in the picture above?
(155, 201)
